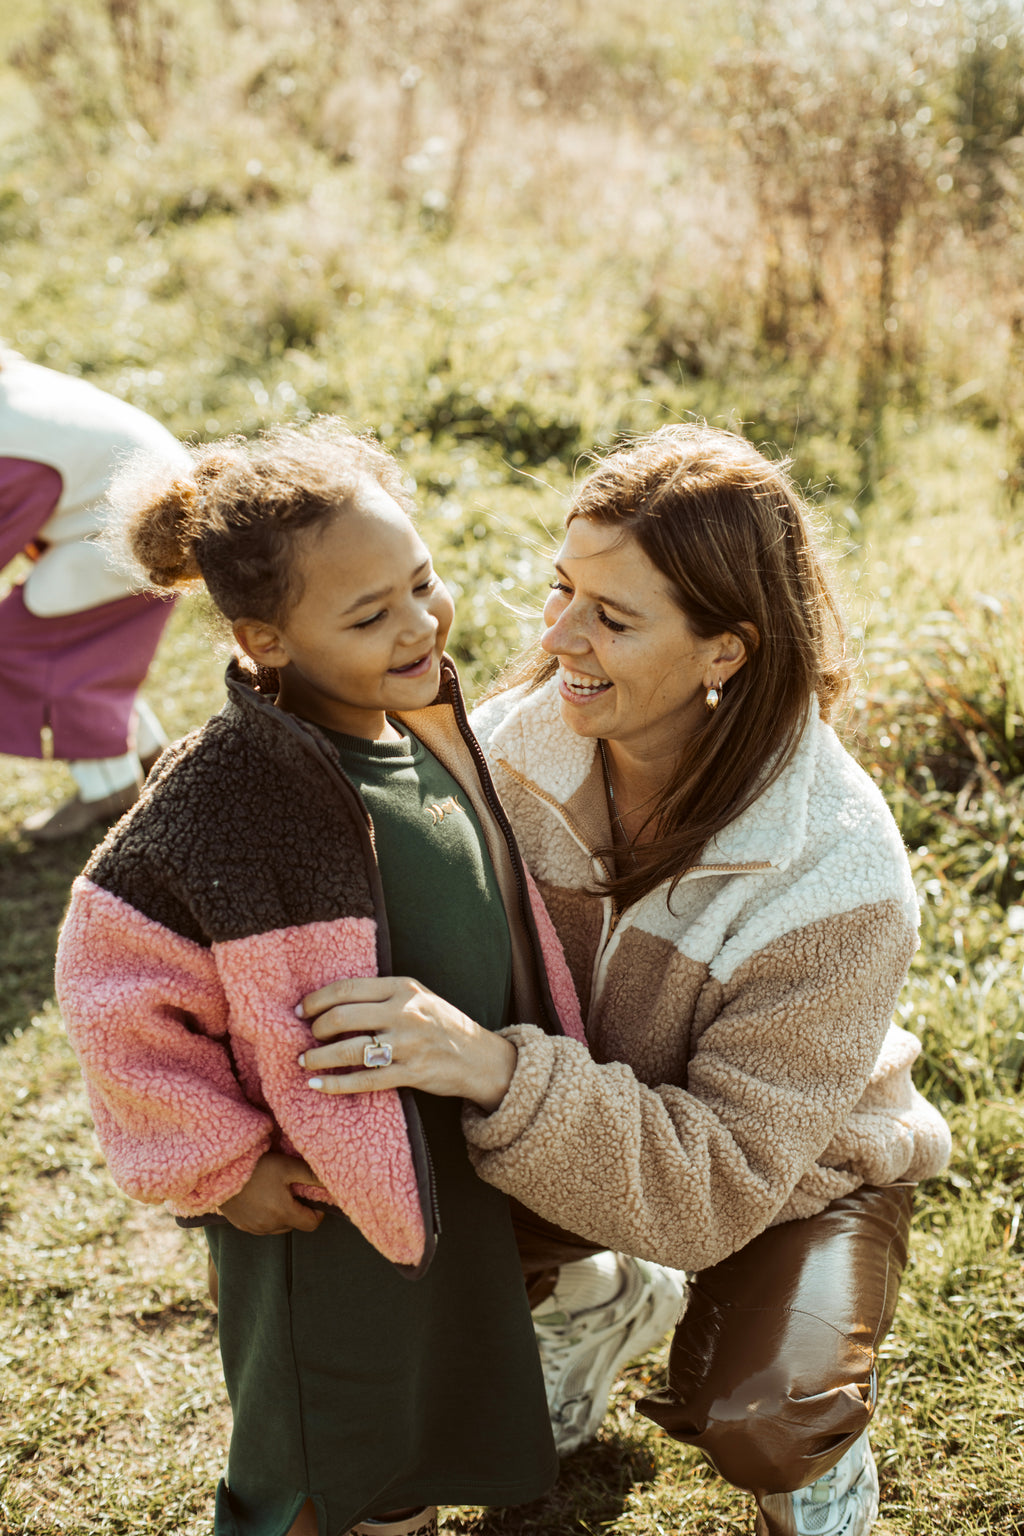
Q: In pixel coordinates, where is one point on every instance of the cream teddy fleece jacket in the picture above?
(743, 1069)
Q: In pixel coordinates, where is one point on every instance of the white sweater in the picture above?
(85, 435)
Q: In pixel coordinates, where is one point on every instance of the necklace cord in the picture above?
(613, 803)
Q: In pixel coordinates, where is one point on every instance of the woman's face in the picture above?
(631, 669)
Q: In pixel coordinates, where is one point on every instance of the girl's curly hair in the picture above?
(232, 523)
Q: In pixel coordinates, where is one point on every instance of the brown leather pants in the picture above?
(772, 1370)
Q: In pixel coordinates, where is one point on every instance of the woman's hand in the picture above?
(265, 1206)
(433, 1045)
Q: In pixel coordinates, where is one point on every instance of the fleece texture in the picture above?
(743, 1068)
(244, 878)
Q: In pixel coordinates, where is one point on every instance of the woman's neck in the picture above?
(634, 784)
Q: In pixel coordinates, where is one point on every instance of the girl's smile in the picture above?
(415, 668)
(368, 630)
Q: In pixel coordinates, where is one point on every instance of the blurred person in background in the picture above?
(76, 640)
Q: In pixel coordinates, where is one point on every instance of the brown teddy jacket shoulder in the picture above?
(743, 1067)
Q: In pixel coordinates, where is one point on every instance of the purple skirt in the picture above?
(79, 673)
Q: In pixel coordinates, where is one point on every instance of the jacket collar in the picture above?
(555, 763)
(443, 728)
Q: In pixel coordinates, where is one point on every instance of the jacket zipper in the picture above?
(414, 1125)
(610, 916)
(498, 812)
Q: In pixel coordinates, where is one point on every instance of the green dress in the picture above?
(350, 1383)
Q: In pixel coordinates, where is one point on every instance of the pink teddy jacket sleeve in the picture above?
(174, 1039)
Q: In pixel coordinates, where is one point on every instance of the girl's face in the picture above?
(631, 670)
(367, 634)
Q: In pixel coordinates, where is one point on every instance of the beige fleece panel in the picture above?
(553, 854)
(652, 984)
(816, 1190)
(686, 1176)
(893, 1135)
(577, 920)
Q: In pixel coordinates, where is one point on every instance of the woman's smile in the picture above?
(578, 687)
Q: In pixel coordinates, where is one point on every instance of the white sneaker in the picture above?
(845, 1501)
(582, 1352)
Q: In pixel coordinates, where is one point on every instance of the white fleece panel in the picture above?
(773, 829)
(702, 911)
(487, 716)
(822, 826)
(853, 857)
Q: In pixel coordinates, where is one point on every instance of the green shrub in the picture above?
(942, 728)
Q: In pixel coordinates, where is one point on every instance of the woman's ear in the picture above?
(261, 641)
(732, 652)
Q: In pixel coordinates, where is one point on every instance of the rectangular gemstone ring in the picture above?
(377, 1053)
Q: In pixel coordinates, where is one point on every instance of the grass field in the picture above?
(499, 236)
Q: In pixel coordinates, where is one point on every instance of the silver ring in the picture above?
(377, 1053)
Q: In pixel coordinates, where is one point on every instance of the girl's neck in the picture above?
(366, 726)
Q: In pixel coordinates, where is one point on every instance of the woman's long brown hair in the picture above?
(736, 541)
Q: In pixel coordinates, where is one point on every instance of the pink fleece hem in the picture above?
(161, 1027)
(560, 981)
(357, 1145)
(146, 1015)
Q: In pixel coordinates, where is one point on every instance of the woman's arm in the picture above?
(435, 1047)
(681, 1175)
(688, 1174)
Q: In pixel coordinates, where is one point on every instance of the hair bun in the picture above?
(162, 534)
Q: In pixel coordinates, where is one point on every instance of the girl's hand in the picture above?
(433, 1045)
(266, 1207)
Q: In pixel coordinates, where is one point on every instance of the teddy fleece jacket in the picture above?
(742, 1069)
(243, 878)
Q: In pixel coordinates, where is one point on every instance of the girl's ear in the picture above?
(261, 641)
(732, 652)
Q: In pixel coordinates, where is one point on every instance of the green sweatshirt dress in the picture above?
(349, 1383)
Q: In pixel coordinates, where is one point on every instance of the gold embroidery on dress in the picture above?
(442, 808)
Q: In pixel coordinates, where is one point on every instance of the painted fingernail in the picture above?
(302, 1059)
(300, 1012)
(315, 1082)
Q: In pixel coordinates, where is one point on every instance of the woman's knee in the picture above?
(769, 1418)
(772, 1372)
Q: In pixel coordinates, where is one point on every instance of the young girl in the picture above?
(336, 815)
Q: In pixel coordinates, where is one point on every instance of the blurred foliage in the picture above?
(805, 217)
(940, 722)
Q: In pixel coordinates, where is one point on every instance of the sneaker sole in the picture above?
(645, 1333)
